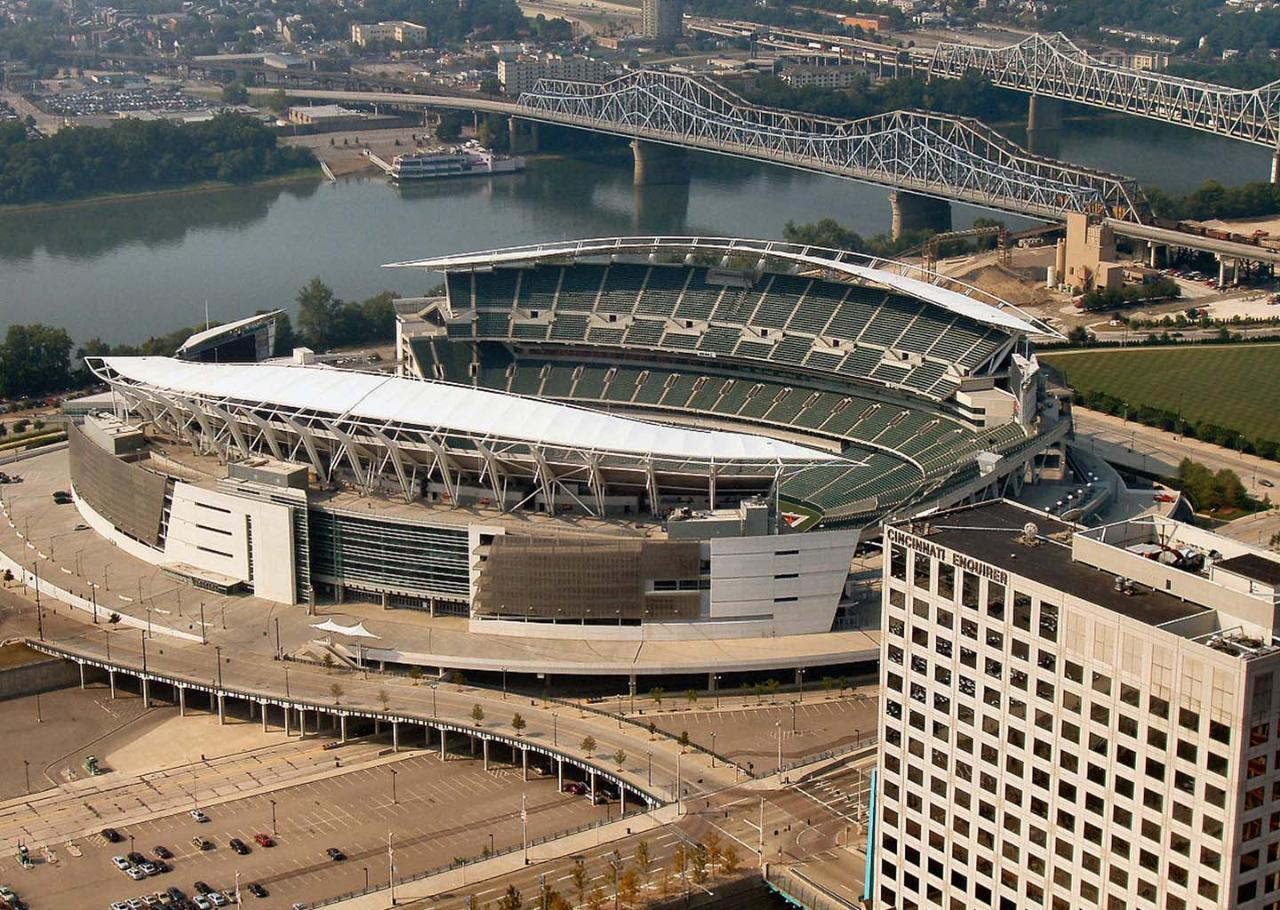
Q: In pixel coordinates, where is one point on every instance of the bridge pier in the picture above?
(656, 163)
(912, 212)
(523, 135)
(1275, 166)
(1044, 113)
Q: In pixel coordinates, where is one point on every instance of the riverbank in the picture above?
(207, 186)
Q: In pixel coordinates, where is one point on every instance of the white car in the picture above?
(135, 873)
(119, 905)
(216, 898)
(121, 863)
(201, 902)
(135, 903)
(199, 815)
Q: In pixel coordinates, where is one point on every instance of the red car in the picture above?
(263, 840)
(575, 788)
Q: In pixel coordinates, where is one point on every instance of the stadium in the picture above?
(680, 439)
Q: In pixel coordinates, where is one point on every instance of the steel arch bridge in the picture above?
(947, 157)
(1055, 67)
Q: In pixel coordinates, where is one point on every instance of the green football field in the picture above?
(1233, 386)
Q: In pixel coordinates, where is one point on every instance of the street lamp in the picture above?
(800, 676)
(717, 679)
(650, 756)
(26, 770)
(504, 683)
(394, 801)
(218, 649)
(491, 843)
(713, 748)
(273, 816)
(778, 725)
(287, 694)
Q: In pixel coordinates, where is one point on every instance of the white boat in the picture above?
(453, 162)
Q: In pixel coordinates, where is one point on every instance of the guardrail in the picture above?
(870, 738)
(462, 863)
(804, 892)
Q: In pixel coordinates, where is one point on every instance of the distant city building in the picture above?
(805, 75)
(662, 20)
(522, 74)
(327, 116)
(395, 32)
(1153, 61)
(1076, 718)
(868, 22)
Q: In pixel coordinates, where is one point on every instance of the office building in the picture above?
(1076, 718)
(662, 20)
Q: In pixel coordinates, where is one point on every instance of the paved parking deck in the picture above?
(440, 810)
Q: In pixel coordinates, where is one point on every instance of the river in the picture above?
(127, 269)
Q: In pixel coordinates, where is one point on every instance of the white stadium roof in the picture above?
(452, 408)
(227, 328)
(942, 291)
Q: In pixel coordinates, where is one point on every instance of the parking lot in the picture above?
(89, 103)
(439, 811)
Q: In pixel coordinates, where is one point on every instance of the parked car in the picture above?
(61, 497)
(335, 854)
(217, 898)
(201, 888)
(176, 893)
(575, 788)
(136, 858)
(200, 843)
(149, 868)
(112, 835)
(198, 815)
(257, 890)
(1266, 483)
(263, 840)
(202, 902)
(121, 863)
(135, 873)
(162, 852)
(238, 845)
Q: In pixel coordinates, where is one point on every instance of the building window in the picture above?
(969, 595)
(898, 562)
(947, 581)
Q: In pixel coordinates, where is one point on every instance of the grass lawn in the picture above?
(1233, 386)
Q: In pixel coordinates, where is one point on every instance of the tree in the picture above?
(692, 697)
(384, 698)
(629, 887)
(620, 758)
(729, 860)
(450, 127)
(595, 900)
(517, 724)
(35, 359)
(683, 740)
(278, 101)
(490, 85)
(771, 686)
(318, 314)
(578, 875)
(511, 900)
(336, 691)
(714, 846)
(757, 689)
(477, 714)
(588, 744)
(235, 93)
(656, 694)
(698, 863)
(643, 860)
(415, 674)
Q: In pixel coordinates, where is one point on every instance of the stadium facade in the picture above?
(648, 438)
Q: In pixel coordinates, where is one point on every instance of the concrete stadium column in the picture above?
(484, 748)
(395, 736)
(287, 731)
(302, 722)
(182, 701)
(523, 135)
(1044, 113)
(111, 681)
(342, 728)
(443, 737)
(559, 775)
(912, 212)
(656, 163)
(222, 708)
(81, 666)
(264, 717)
(146, 692)
(622, 801)
(1275, 166)
(524, 762)
(711, 682)
(593, 786)
(1155, 252)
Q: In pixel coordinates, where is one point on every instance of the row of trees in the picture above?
(132, 155)
(625, 882)
(326, 321)
(831, 234)
(1213, 200)
(1110, 299)
(1173, 422)
(970, 96)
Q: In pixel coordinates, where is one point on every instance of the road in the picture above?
(1163, 451)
